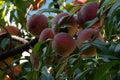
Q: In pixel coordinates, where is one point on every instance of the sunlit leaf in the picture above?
(50, 10)
(1, 3)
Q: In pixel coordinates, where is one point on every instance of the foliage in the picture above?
(104, 66)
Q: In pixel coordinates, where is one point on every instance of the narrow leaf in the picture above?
(102, 72)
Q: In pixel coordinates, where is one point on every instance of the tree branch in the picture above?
(19, 39)
(18, 50)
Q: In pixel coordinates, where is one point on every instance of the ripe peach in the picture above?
(45, 34)
(80, 19)
(63, 44)
(63, 19)
(76, 2)
(65, 23)
(86, 34)
(89, 11)
(36, 24)
(11, 30)
(90, 51)
(58, 17)
(79, 31)
(36, 5)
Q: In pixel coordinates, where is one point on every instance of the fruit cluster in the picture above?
(66, 31)
(69, 42)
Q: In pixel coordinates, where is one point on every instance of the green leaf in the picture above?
(60, 70)
(38, 47)
(4, 43)
(69, 7)
(77, 64)
(49, 10)
(104, 70)
(1, 3)
(114, 6)
(112, 47)
(51, 4)
(2, 13)
(84, 46)
(45, 75)
(101, 45)
(90, 23)
(79, 75)
(1, 75)
(109, 57)
(117, 48)
(32, 75)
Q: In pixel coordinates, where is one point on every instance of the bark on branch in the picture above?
(18, 50)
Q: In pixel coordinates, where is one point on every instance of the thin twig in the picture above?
(27, 13)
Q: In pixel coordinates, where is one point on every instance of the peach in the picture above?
(79, 31)
(46, 34)
(80, 19)
(58, 17)
(76, 2)
(86, 34)
(12, 30)
(89, 11)
(64, 22)
(63, 44)
(36, 24)
(63, 19)
(90, 51)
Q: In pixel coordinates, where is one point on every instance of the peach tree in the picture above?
(67, 40)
